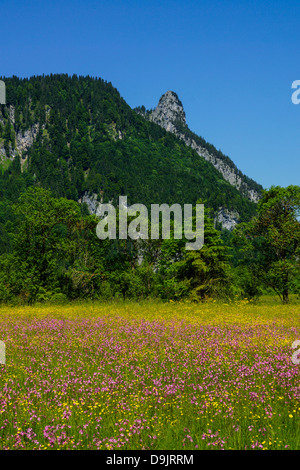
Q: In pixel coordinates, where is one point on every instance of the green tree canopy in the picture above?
(272, 239)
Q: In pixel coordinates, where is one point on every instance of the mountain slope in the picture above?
(77, 137)
(170, 115)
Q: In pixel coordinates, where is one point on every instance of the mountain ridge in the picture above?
(169, 114)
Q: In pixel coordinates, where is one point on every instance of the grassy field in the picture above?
(150, 376)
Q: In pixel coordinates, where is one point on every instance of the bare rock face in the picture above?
(169, 112)
(24, 140)
(228, 219)
(91, 201)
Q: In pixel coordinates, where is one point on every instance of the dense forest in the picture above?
(62, 137)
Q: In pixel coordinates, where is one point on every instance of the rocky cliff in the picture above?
(23, 140)
(169, 113)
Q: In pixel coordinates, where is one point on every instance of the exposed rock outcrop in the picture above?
(24, 139)
(169, 112)
(228, 219)
(91, 200)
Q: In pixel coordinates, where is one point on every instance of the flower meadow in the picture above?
(150, 376)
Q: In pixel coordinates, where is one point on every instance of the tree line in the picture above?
(50, 252)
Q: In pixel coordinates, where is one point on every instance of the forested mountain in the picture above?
(76, 135)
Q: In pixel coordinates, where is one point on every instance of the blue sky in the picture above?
(231, 62)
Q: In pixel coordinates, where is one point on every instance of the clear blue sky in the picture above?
(231, 62)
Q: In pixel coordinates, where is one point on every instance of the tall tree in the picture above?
(272, 239)
(45, 239)
(197, 273)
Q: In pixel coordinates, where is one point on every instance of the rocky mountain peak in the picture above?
(169, 112)
(170, 115)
